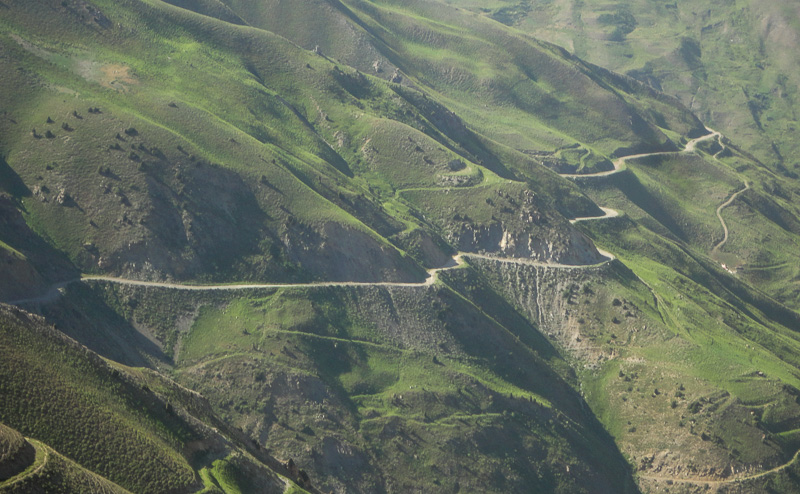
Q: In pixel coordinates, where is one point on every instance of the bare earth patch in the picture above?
(117, 76)
(113, 76)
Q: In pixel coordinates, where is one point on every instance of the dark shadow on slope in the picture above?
(383, 47)
(504, 354)
(10, 182)
(732, 290)
(474, 287)
(446, 123)
(47, 398)
(51, 264)
(629, 184)
(652, 139)
(332, 360)
(84, 315)
(773, 211)
(330, 155)
(14, 461)
(206, 225)
(631, 85)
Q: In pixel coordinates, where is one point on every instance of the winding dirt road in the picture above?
(722, 221)
(433, 274)
(55, 290)
(608, 213)
(619, 163)
(457, 261)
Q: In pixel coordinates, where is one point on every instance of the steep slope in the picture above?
(312, 371)
(121, 188)
(381, 389)
(34, 467)
(726, 61)
(133, 427)
(365, 232)
(535, 96)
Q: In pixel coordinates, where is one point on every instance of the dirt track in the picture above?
(722, 221)
(457, 260)
(433, 274)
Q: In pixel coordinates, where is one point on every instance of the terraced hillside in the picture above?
(379, 246)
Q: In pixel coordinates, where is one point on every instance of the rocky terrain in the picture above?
(382, 246)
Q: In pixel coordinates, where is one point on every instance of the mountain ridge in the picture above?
(358, 235)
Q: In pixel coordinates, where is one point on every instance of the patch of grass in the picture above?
(151, 436)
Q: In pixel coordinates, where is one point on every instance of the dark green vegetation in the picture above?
(27, 465)
(132, 426)
(313, 141)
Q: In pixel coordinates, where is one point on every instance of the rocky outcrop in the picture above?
(554, 300)
(564, 246)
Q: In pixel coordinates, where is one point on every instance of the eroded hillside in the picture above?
(403, 244)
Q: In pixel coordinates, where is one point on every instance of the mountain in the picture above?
(137, 429)
(383, 246)
(728, 63)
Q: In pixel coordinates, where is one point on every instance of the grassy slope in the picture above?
(725, 61)
(678, 368)
(344, 146)
(50, 471)
(154, 191)
(762, 222)
(294, 119)
(354, 383)
(531, 95)
(141, 433)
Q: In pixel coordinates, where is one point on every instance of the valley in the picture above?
(384, 246)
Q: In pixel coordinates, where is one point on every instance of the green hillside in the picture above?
(31, 466)
(133, 427)
(728, 61)
(382, 246)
